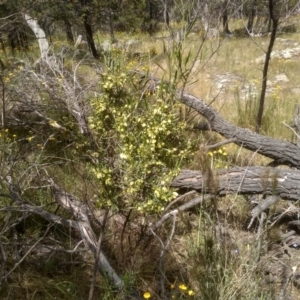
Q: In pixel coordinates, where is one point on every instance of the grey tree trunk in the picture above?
(39, 34)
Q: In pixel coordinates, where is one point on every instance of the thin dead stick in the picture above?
(27, 253)
(217, 145)
(92, 287)
(66, 251)
(181, 208)
(263, 205)
(93, 280)
(3, 260)
(244, 175)
(288, 126)
(179, 198)
(262, 219)
(162, 254)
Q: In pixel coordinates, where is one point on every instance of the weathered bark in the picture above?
(39, 34)
(284, 153)
(284, 183)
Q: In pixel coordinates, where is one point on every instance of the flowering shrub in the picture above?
(141, 141)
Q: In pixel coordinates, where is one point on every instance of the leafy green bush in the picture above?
(141, 141)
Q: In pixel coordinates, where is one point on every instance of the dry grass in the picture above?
(196, 256)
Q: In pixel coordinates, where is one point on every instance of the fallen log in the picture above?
(284, 183)
(283, 153)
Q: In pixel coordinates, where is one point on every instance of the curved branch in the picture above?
(80, 212)
(284, 153)
(195, 201)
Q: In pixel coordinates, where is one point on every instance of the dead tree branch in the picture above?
(284, 153)
(80, 212)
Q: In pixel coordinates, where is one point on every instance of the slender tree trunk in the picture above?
(68, 30)
(275, 21)
(167, 17)
(225, 18)
(11, 40)
(39, 34)
(225, 23)
(150, 21)
(151, 17)
(251, 16)
(2, 65)
(111, 25)
(86, 9)
(89, 36)
(166, 13)
(2, 44)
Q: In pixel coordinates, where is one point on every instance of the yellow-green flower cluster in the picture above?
(9, 76)
(141, 142)
(182, 291)
(113, 83)
(7, 141)
(276, 91)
